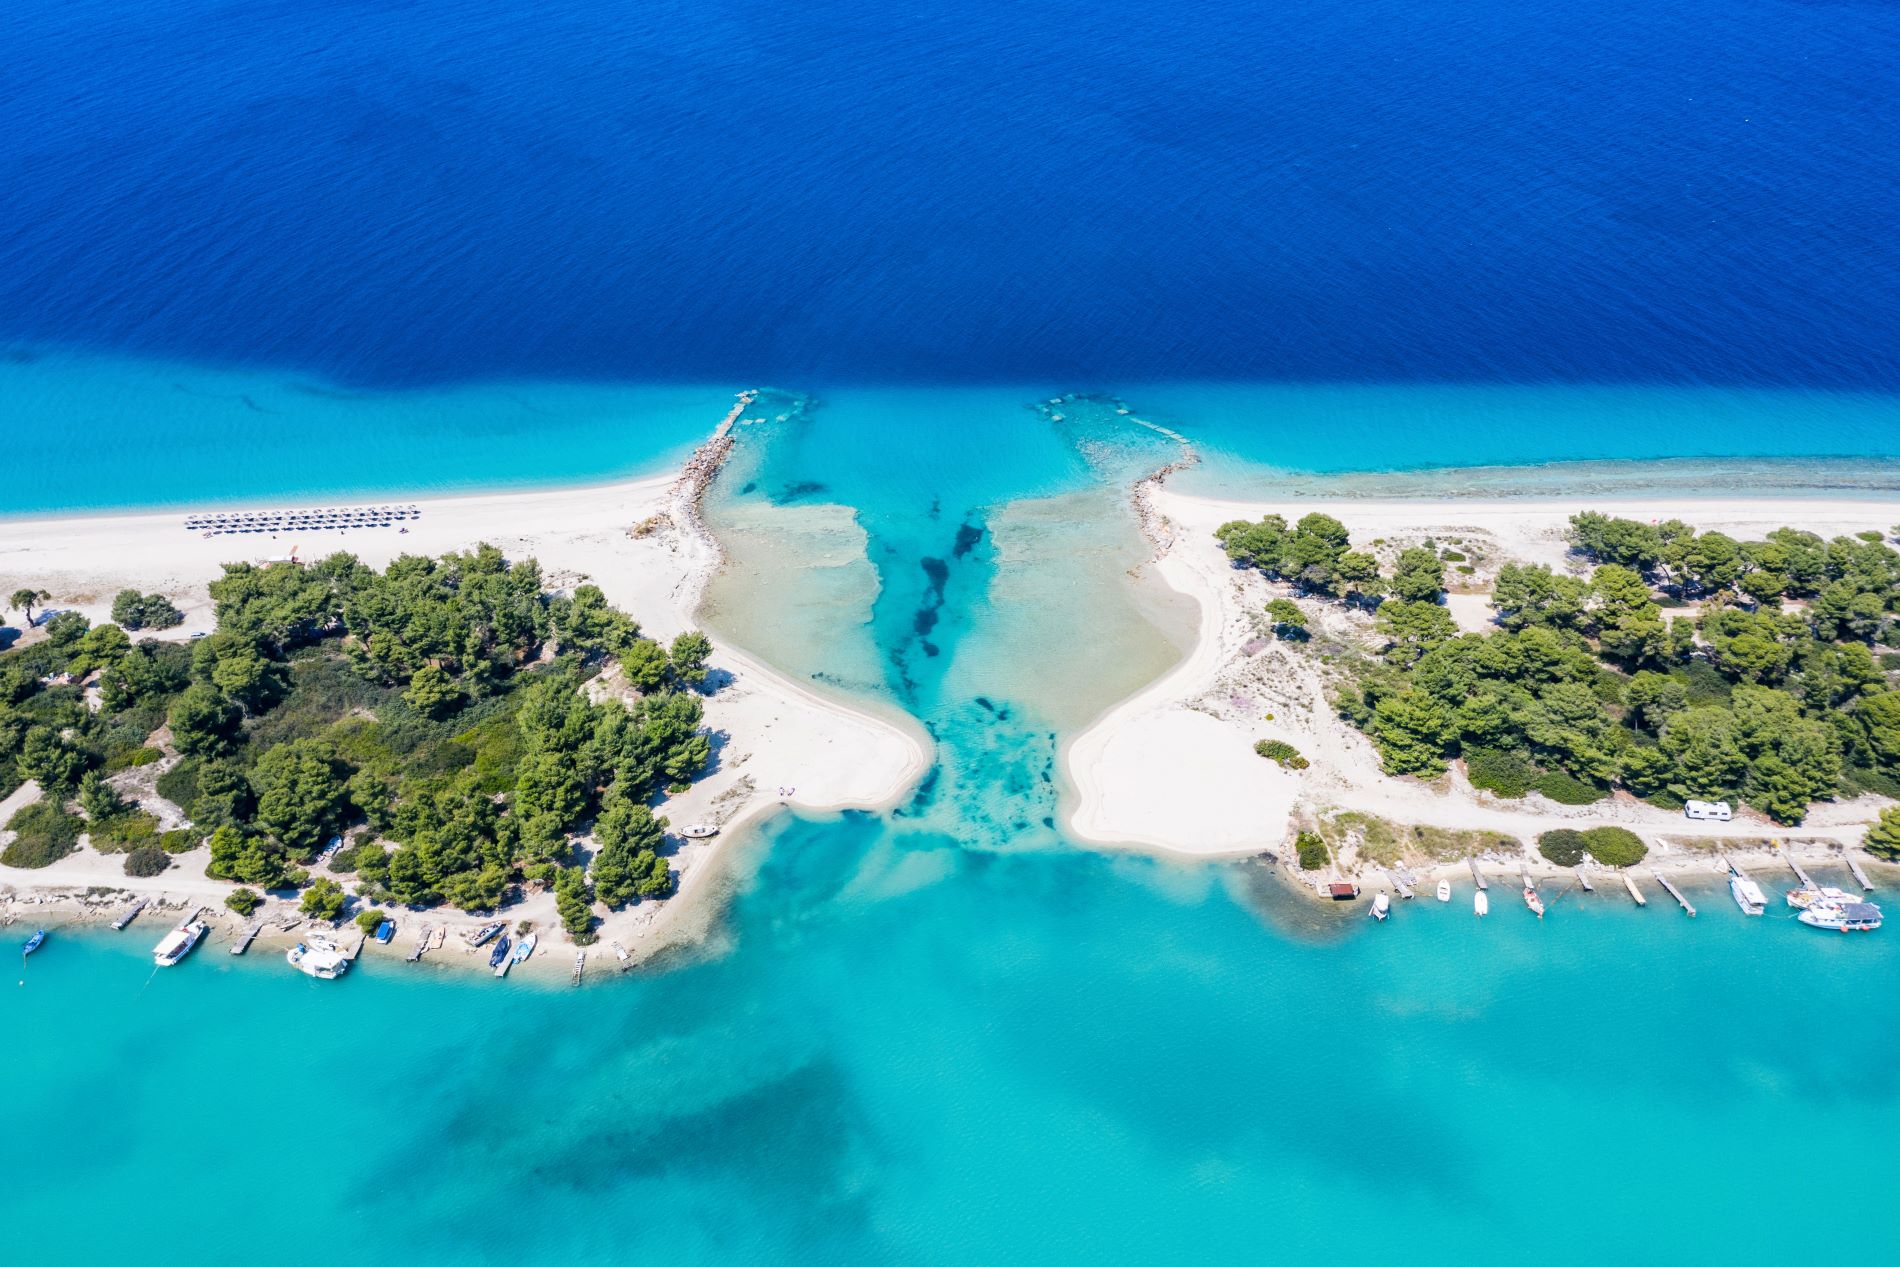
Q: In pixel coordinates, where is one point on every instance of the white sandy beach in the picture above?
(778, 742)
(1172, 767)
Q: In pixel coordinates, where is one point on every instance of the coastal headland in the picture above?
(1174, 768)
(777, 743)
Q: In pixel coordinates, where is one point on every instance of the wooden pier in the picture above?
(1584, 880)
(1806, 879)
(620, 952)
(422, 944)
(1673, 891)
(580, 965)
(1629, 882)
(1477, 876)
(1866, 885)
(131, 913)
(245, 938)
(1404, 889)
(1524, 874)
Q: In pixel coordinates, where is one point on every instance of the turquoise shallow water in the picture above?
(945, 1034)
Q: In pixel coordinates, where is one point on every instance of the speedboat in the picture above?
(698, 831)
(1444, 890)
(524, 948)
(1748, 894)
(385, 931)
(1845, 917)
(1533, 901)
(1480, 903)
(178, 943)
(33, 943)
(318, 957)
(1381, 906)
(498, 957)
(482, 935)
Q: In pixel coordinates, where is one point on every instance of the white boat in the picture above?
(1533, 901)
(1748, 894)
(176, 944)
(1480, 903)
(1444, 890)
(318, 957)
(1845, 917)
(523, 949)
(1381, 906)
(698, 831)
(1804, 897)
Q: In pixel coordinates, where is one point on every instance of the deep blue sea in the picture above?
(252, 252)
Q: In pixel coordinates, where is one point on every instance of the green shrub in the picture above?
(1890, 661)
(369, 921)
(131, 758)
(179, 785)
(1615, 846)
(1562, 846)
(1565, 790)
(181, 841)
(127, 830)
(1508, 774)
(147, 861)
(47, 833)
(1285, 755)
(1452, 556)
(1312, 851)
(243, 901)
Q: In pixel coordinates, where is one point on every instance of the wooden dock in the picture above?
(131, 913)
(1673, 891)
(422, 944)
(1524, 874)
(1629, 882)
(580, 965)
(1866, 885)
(1477, 876)
(1583, 879)
(1806, 879)
(245, 938)
(1404, 889)
(620, 952)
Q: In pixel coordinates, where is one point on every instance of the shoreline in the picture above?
(1171, 769)
(643, 542)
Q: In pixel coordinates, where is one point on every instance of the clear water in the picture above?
(286, 249)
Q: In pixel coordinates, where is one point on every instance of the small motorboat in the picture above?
(1381, 906)
(698, 831)
(34, 942)
(1533, 901)
(483, 935)
(1444, 890)
(498, 957)
(1480, 904)
(319, 958)
(523, 949)
(385, 931)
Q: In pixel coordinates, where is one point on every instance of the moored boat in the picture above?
(498, 957)
(1480, 903)
(1381, 906)
(386, 931)
(318, 957)
(1444, 890)
(34, 942)
(524, 948)
(1845, 917)
(1747, 894)
(698, 831)
(484, 934)
(178, 943)
(1805, 896)
(1533, 901)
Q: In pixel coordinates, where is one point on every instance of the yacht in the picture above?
(1444, 890)
(1381, 906)
(178, 943)
(1533, 901)
(319, 958)
(1748, 894)
(1480, 903)
(1845, 917)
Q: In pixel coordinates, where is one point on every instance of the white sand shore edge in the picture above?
(782, 744)
(1172, 769)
